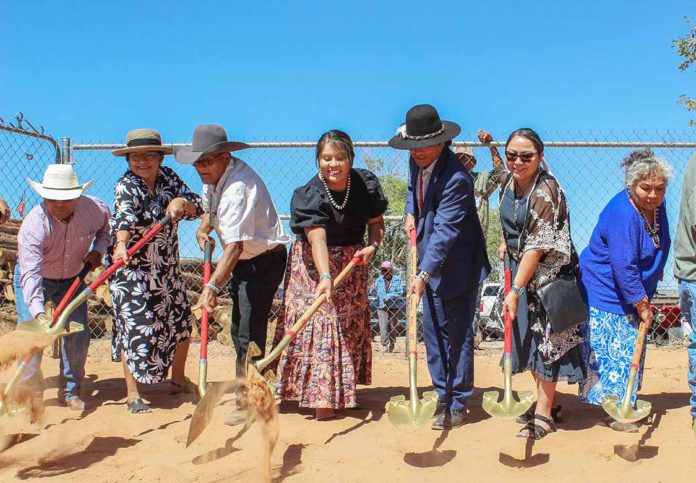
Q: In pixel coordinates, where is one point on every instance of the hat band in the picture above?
(424, 136)
(144, 142)
(61, 189)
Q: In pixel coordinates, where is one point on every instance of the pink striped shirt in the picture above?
(54, 249)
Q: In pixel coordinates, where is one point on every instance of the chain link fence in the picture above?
(25, 150)
(588, 170)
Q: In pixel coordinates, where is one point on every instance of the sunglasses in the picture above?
(525, 157)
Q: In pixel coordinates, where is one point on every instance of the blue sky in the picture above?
(288, 71)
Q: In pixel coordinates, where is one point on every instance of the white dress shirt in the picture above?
(242, 210)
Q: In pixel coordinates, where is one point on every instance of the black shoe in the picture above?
(450, 419)
(441, 406)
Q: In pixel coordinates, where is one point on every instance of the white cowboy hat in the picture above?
(60, 183)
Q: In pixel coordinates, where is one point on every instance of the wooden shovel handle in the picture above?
(412, 328)
(320, 300)
(640, 341)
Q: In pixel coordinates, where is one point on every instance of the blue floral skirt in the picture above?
(608, 350)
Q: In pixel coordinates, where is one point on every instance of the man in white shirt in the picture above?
(238, 206)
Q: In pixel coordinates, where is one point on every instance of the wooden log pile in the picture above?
(219, 320)
(8, 259)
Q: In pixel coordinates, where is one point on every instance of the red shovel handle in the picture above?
(131, 251)
(208, 255)
(507, 317)
(71, 291)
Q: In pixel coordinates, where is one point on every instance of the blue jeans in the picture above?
(74, 346)
(687, 301)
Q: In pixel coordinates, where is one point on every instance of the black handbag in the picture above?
(562, 303)
(560, 299)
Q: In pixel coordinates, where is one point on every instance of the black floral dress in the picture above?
(152, 314)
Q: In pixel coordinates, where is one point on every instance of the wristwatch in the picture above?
(423, 275)
(518, 290)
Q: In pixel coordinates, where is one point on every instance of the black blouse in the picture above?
(310, 207)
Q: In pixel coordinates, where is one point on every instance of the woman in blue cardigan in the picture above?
(619, 271)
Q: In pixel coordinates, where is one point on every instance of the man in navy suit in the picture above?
(451, 253)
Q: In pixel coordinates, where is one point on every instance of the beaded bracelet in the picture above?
(326, 276)
(213, 288)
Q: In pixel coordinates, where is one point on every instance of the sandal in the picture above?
(535, 431)
(137, 406)
(529, 415)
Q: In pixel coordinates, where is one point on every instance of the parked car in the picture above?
(489, 293)
(489, 323)
(667, 316)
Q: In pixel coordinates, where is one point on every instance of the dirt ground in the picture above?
(106, 443)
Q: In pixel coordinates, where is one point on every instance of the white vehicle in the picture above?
(489, 293)
(490, 322)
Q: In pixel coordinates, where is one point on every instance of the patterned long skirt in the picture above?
(333, 353)
(152, 315)
(608, 350)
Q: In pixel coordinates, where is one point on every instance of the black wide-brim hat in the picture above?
(423, 128)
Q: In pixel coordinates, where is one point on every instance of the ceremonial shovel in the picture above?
(6, 405)
(57, 325)
(508, 408)
(204, 410)
(625, 413)
(414, 413)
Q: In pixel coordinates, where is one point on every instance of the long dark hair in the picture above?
(340, 139)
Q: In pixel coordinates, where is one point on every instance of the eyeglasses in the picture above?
(206, 161)
(525, 157)
(149, 157)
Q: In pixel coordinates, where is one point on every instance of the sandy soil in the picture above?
(108, 444)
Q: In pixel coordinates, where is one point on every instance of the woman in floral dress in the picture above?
(536, 236)
(619, 272)
(330, 213)
(152, 313)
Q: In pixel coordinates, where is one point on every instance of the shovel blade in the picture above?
(407, 416)
(6, 440)
(625, 413)
(252, 351)
(509, 407)
(43, 326)
(204, 411)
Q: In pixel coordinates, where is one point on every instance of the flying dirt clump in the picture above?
(261, 407)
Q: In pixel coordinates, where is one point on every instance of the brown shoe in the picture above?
(75, 404)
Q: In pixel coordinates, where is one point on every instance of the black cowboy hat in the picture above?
(423, 128)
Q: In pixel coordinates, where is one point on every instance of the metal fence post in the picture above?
(67, 150)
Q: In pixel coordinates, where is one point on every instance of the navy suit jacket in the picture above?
(451, 246)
